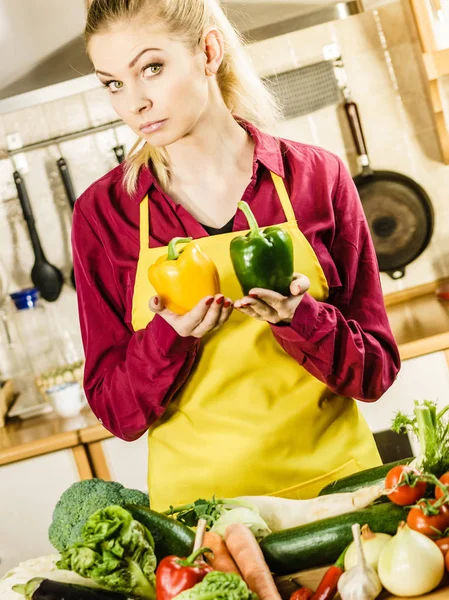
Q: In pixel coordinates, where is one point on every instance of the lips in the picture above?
(152, 126)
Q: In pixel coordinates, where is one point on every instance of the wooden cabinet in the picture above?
(422, 378)
(29, 490)
(126, 462)
(432, 21)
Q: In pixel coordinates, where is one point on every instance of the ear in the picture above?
(213, 47)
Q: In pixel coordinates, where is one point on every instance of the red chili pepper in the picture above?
(174, 574)
(328, 585)
(302, 594)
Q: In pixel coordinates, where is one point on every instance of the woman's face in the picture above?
(156, 84)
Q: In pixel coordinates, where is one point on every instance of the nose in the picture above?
(138, 100)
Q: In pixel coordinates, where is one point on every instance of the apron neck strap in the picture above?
(144, 223)
(283, 196)
(278, 184)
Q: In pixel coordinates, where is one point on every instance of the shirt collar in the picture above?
(267, 151)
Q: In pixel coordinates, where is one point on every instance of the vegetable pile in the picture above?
(386, 527)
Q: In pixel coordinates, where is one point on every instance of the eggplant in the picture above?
(46, 589)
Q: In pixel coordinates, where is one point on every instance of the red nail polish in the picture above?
(209, 301)
(220, 300)
(253, 296)
(227, 304)
(156, 300)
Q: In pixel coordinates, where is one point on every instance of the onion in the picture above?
(372, 543)
(410, 564)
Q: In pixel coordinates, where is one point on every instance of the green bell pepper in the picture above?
(263, 259)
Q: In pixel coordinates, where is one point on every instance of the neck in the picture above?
(217, 144)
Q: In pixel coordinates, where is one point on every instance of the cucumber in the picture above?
(321, 543)
(170, 537)
(374, 476)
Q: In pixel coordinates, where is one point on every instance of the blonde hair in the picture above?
(243, 92)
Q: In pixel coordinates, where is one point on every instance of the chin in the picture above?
(159, 139)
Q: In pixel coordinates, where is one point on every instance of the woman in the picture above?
(245, 395)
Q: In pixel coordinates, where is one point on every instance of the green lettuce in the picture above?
(117, 552)
(218, 586)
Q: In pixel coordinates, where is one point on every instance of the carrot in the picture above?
(220, 560)
(248, 556)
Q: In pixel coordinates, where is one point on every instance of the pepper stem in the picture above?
(190, 561)
(254, 226)
(172, 253)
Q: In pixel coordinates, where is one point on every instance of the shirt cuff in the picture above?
(166, 340)
(304, 322)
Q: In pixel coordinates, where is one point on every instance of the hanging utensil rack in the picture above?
(5, 153)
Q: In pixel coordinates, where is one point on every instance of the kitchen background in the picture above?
(385, 72)
(382, 58)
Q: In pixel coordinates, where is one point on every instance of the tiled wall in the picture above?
(381, 55)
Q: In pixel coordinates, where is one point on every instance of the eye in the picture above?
(113, 85)
(152, 70)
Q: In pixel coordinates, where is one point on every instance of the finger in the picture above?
(267, 296)
(264, 310)
(195, 317)
(249, 311)
(226, 312)
(211, 318)
(300, 284)
(156, 304)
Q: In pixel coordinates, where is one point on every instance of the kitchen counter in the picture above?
(40, 435)
(311, 578)
(420, 323)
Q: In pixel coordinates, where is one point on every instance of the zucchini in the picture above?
(170, 537)
(374, 476)
(321, 543)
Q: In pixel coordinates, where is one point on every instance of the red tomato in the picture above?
(443, 545)
(404, 495)
(445, 481)
(432, 525)
(447, 562)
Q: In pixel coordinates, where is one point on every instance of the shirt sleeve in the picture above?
(347, 341)
(130, 377)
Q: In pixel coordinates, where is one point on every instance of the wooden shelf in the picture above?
(436, 64)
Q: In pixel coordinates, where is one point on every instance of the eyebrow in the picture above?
(133, 62)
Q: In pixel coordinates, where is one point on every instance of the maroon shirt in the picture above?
(346, 342)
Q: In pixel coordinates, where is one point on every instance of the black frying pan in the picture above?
(46, 277)
(398, 210)
(70, 193)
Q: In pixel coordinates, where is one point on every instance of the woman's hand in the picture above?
(272, 307)
(209, 314)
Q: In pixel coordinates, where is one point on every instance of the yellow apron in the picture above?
(249, 420)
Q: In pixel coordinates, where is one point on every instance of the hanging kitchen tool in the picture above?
(119, 149)
(398, 210)
(63, 169)
(46, 277)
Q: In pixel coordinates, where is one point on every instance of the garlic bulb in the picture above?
(361, 582)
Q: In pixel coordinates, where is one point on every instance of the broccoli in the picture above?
(80, 501)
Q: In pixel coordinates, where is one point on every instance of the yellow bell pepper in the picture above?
(183, 278)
